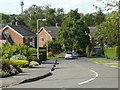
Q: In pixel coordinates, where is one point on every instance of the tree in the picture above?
(107, 30)
(35, 12)
(73, 34)
(54, 46)
(113, 31)
(6, 18)
(99, 17)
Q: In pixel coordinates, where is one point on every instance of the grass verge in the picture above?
(107, 62)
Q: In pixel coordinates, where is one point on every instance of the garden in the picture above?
(15, 58)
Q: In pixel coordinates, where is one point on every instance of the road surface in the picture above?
(77, 73)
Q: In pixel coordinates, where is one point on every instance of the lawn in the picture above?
(107, 62)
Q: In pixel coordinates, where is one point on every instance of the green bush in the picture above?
(33, 58)
(88, 50)
(33, 50)
(9, 50)
(21, 63)
(92, 54)
(112, 53)
(5, 64)
(5, 74)
(18, 57)
(50, 54)
(43, 55)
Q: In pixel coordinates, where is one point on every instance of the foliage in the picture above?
(6, 68)
(43, 55)
(93, 19)
(21, 63)
(5, 74)
(109, 5)
(9, 50)
(33, 50)
(18, 57)
(50, 54)
(33, 58)
(107, 31)
(92, 54)
(5, 64)
(35, 12)
(54, 46)
(88, 50)
(73, 34)
(112, 53)
(99, 17)
(6, 18)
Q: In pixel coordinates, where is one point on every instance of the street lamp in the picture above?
(37, 36)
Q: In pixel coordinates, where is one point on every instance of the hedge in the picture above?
(21, 63)
(112, 53)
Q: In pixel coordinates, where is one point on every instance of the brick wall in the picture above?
(16, 38)
(43, 35)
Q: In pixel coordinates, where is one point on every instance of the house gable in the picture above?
(12, 30)
(43, 29)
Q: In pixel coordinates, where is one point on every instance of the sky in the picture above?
(84, 6)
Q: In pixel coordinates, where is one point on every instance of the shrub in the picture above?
(112, 53)
(43, 55)
(21, 63)
(5, 64)
(8, 68)
(18, 57)
(88, 50)
(33, 58)
(5, 74)
(50, 54)
(33, 50)
(92, 53)
(9, 50)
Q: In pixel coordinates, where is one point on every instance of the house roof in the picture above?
(51, 30)
(92, 30)
(21, 29)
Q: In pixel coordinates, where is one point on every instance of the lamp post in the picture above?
(37, 36)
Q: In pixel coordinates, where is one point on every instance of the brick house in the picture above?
(18, 34)
(46, 34)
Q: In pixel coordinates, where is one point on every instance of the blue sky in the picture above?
(84, 6)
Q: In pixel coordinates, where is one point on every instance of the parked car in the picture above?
(71, 55)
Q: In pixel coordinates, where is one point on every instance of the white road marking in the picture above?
(96, 75)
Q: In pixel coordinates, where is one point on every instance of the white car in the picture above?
(71, 55)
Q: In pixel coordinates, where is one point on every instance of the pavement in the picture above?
(30, 74)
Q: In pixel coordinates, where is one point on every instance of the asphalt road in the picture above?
(77, 73)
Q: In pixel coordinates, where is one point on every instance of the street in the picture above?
(77, 73)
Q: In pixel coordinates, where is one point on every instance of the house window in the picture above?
(41, 39)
